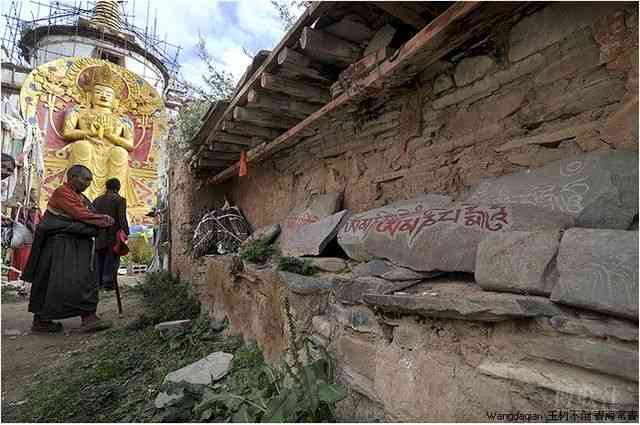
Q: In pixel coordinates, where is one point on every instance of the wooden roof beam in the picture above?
(296, 65)
(313, 12)
(328, 48)
(280, 104)
(405, 14)
(294, 88)
(246, 129)
(253, 116)
(449, 30)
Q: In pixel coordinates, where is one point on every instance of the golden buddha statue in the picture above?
(100, 138)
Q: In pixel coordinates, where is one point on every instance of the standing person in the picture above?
(61, 266)
(115, 206)
(30, 217)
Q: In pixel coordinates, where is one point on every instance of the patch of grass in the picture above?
(115, 381)
(165, 299)
(257, 251)
(254, 392)
(296, 265)
(118, 379)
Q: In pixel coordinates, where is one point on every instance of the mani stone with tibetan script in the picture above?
(599, 190)
(598, 270)
(424, 238)
(311, 239)
(520, 262)
(314, 209)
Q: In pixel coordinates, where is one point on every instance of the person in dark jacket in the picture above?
(60, 266)
(115, 206)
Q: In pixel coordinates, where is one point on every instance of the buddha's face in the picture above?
(103, 96)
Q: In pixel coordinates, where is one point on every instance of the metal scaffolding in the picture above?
(71, 14)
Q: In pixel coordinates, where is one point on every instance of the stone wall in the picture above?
(547, 86)
(534, 359)
(542, 88)
(187, 202)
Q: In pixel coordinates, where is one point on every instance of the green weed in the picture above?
(257, 251)
(296, 265)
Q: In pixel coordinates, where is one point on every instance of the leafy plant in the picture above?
(140, 251)
(254, 392)
(257, 251)
(166, 299)
(296, 265)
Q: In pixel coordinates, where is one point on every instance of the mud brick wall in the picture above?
(186, 205)
(557, 82)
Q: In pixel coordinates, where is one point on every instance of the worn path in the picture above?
(24, 353)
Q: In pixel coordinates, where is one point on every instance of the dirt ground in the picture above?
(24, 353)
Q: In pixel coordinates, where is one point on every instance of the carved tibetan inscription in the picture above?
(444, 238)
(598, 189)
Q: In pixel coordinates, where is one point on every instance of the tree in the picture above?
(289, 10)
(218, 85)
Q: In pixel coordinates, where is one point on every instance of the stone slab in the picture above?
(610, 357)
(305, 285)
(311, 210)
(175, 324)
(598, 270)
(472, 68)
(550, 137)
(552, 24)
(328, 264)
(352, 291)
(601, 327)
(358, 318)
(520, 262)
(563, 379)
(373, 268)
(465, 302)
(195, 377)
(398, 273)
(599, 189)
(267, 233)
(312, 239)
(442, 83)
(621, 129)
(444, 238)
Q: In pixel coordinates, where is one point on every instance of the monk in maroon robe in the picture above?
(61, 265)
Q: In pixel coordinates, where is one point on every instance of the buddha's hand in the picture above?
(96, 130)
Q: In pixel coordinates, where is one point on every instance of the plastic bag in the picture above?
(21, 235)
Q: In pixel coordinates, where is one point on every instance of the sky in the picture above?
(228, 26)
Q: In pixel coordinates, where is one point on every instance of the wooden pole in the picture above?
(296, 65)
(328, 48)
(280, 104)
(308, 92)
(406, 15)
(247, 129)
(256, 117)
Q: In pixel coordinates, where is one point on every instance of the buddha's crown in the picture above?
(104, 76)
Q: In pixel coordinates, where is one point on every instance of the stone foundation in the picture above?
(407, 366)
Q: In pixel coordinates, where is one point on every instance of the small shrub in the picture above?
(140, 251)
(295, 265)
(257, 251)
(165, 299)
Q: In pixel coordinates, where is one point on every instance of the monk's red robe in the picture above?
(61, 265)
(75, 205)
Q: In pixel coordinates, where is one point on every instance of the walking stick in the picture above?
(115, 285)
